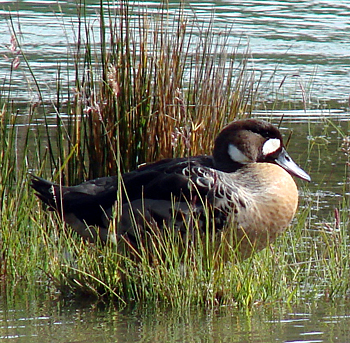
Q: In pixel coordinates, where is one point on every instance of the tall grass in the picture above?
(150, 90)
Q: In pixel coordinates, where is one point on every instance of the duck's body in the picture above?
(242, 188)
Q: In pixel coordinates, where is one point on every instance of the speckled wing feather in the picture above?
(175, 192)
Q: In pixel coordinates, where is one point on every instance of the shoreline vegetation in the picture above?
(147, 91)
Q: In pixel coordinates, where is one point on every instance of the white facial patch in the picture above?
(271, 146)
(237, 155)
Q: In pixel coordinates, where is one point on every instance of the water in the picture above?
(301, 51)
(300, 48)
(50, 322)
(325, 161)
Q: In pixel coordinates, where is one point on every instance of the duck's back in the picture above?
(164, 179)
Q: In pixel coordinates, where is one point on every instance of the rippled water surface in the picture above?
(301, 45)
(47, 322)
(301, 50)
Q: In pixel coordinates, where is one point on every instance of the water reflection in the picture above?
(324, 322)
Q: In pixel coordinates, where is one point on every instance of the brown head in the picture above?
(249, 141)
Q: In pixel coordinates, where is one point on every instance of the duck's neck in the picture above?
(228, 165)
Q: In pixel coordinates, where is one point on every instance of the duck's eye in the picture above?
(237, 155)
(271, 146)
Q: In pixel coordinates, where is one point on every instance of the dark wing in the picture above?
(88, 201)
(167, 179)
(175, 192)
(182, 180)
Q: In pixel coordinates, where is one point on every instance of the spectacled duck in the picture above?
(246, 187)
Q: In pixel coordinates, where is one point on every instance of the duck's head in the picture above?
(250, 140)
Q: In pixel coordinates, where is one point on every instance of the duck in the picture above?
(246, 187)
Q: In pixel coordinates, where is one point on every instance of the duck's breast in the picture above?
(266, 201)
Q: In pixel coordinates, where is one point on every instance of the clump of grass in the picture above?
(301, 266)
(149, 92)
(15, 200)
(152, 90)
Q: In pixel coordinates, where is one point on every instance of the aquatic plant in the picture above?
(147, 92)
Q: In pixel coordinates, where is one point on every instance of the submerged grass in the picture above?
(153, 87)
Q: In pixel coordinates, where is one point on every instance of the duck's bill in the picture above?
(286, 162)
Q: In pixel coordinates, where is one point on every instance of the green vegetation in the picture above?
(151, 89)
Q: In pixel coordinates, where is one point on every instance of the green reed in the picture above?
(148, 91)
